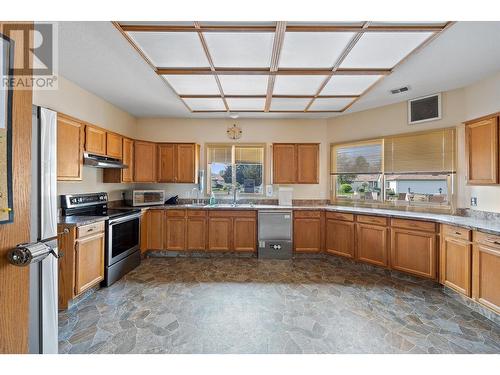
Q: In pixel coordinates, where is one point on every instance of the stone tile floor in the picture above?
(224, 305)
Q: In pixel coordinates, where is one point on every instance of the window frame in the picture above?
(233, 146)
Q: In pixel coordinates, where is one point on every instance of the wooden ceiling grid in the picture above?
(280, 29)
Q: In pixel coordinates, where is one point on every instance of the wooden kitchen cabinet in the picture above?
(196, 230)
(232, 230)
(371, 244)
(175, 233)
(295, 163)
(455, 259)
(482, 148)
(70, 141)
(156, 229)
(307, 231)
(144, 161)
(144, 231)
(95, 140)
(89, 262)
(125, 175)
(339, 234)
(219, 233)
(114, 145)
(178, 162)
(486, 270)
(244, 233)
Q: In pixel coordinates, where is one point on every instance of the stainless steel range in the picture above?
(122, 231)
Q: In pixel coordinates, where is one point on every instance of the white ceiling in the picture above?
(97, 57)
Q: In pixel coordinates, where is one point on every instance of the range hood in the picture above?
(98, 161)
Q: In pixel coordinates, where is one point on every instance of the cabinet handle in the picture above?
(458, 233)
(496, 242)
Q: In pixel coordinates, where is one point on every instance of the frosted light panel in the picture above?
(330, 104)
(193, 84)
(297, 85)
(348, 85)
(291, 104)
(383, 49)
(248, 104)
(168, 50)
(312, 50)
(240, 49)
(205, 104)
(244, 85)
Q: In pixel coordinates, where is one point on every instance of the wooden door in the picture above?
(175, 238)
(196, 233)
(144, 161)
(186, 161)
(486, 276)
(456, 264)
(308, 163)
(482, 152)
(166, 163)
(307, 234)
(340, 238)
(414, 252)
(95, 140)
(245, 234)
(371, 244)
(14, 281)
(128, 159)
(114, 145)
(89, 262)
(219, 233)
(70, 139)
(156, 233)
(284, 163)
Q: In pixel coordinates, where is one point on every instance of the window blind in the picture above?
(431, 152)
(249, 155)
(219, 154)
(357, 158)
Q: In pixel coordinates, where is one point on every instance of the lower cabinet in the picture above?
(455, 259)
(175, 232)
(307, 231)
(232, 230)
(196, 230)
(244, 233)
(219, 233)
(156, 229)
(372, 244)
(89, 262)
(339, 234)
(486, 270)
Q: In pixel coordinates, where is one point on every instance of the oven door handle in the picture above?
(123, 219)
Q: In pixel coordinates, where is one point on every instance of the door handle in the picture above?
(27, 253)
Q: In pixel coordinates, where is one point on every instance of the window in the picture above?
(240, 166)
(408, 169)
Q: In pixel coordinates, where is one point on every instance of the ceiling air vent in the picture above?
(400, 90)
(425, 108)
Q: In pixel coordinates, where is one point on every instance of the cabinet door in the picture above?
(372, 244)
(486, 276)
(307, 235)
(284, 163)
(128, 159)
(156, 220)
(144, 162)
(196, 233)
(414, 252)
(340, 238)
(308, 163)
(70, 139)
(187, 163)
(89, 262)
(114, 145)
(219, 233)
(455, 264)
(95, 140)
(482, 148)
(166, 163)
(245, 234)
(176, 233)
(144, 231)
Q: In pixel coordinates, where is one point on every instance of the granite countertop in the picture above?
(481, 224)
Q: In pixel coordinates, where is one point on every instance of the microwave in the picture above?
(145, 197)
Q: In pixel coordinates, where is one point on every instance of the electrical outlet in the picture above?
(473, 201)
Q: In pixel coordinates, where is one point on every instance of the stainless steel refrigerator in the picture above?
(43, 328)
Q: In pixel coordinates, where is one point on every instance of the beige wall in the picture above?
(74, 101)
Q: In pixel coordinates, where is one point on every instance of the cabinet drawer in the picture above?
(376, 220)
(414, 225)
(487, 239)
(457, 232)
(340, 216)
(87, 230)
(305, 214)
(231, 213)
(176, 213)
(194, 213)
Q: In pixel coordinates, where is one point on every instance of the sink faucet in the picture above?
(235, 197)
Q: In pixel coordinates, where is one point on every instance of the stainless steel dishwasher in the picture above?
(275, 234)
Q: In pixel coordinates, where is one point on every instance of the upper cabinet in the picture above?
(481, 140)
(95, 140)
(114, 145)
(178, 162)
(122, 175)
(295, 163)
(70, 139)
(144, 161)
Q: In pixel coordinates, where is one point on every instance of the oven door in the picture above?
(123, 238)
